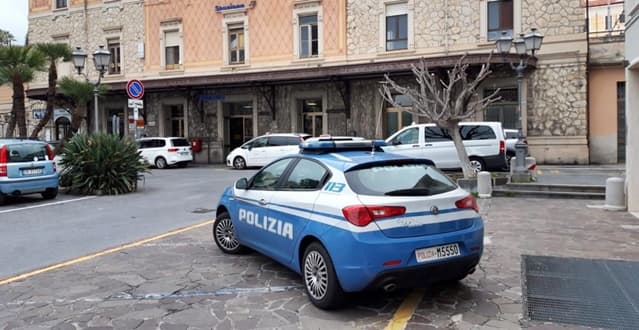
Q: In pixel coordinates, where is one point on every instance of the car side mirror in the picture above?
(241, 184)
(397, 142)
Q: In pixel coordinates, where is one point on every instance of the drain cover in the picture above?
(595, 293)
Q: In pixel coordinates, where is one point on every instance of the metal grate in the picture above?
(595, 293)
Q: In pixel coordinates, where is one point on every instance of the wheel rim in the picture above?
(239, 162)
(475, 165)
(316, 275)
(225, 234)
(160, 163)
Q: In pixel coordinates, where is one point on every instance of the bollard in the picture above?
(484, 184)
(615, 194)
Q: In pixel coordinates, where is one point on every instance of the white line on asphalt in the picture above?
(48, 204)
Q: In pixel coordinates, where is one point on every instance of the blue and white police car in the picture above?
(349, 217)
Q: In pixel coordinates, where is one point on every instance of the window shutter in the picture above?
(171, 38)
(397, 9)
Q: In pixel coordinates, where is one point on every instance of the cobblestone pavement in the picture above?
(184, 282)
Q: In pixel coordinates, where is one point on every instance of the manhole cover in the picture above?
(201, 210)
(595, 293)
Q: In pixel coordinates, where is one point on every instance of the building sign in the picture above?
(223, 8)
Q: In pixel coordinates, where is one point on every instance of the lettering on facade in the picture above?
(224, 8)
(272, 225)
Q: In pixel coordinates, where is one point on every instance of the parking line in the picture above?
(103, 253)
(47, 204)
(405, 310)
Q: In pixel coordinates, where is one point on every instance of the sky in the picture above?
(13, 18)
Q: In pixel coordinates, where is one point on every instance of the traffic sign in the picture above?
(135, 89)
(136, 103)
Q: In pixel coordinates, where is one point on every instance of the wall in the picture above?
(632, 104)
(603, 114)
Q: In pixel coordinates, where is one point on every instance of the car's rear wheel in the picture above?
(320, 280)
(477, 164)
(224, 235)
(239, 163)
(50, 193)
(160, 162)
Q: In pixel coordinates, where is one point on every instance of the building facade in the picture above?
(606, 77)
(225, 72)
(117, 25)
(632, 104)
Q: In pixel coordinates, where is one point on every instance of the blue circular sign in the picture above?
(135, 89)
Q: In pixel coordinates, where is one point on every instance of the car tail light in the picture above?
(50, 152)
(4, 159)
(502, 146)
(172, 150)
(362, 215)
(469, 202)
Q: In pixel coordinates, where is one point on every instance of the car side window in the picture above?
(477, 132)
(142, 144)
(259, 143)
(293, 140)
(268, 177)
(307, 175)
(274, 141)
(436, 134)
(409, 136)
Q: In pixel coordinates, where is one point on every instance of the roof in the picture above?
(347, 160)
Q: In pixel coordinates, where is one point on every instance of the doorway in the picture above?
(238, 119)
(116, 122)
(312, 116)
(621, 122)
(175, 121)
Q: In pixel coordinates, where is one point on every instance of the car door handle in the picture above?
(428, 145)
(415, 145)
(262, 202)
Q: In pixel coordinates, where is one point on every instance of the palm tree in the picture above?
(6, 38)
(80, 94)
(18, 65)
(53, 52)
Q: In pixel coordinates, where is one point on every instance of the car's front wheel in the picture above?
(224, 235)
(50, 193)
(160, 162)
(320, 279)
(239, 163)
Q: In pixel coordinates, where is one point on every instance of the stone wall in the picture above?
(553, 17)
(90, 29)
(557, 101)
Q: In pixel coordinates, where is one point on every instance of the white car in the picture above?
(165, 151)
(264, 149)
(484, 141)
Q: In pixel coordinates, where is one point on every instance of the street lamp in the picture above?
(530, 42)
(101, 60)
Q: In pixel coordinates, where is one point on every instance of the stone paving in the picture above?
(184, 282)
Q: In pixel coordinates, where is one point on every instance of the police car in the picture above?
(349, 217)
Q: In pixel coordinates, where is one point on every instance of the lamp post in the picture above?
(530, 42)
(3, 122)
(101, 60)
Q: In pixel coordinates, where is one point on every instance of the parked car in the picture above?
(349, 217)
(27, 167)
(484, 141)
(165, 151)
(264, 149)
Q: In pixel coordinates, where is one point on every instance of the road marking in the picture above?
(48, 204)
(405, 310)
(103, 253)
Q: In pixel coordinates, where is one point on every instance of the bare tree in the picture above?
(445, 100)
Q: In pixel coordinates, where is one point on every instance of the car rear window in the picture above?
(180, 143)
(27, 152)
(399, 179)
(477, 132)
(512, 135)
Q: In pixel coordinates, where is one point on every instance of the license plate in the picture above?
(32, 171)
(437, 252)
(184, 153)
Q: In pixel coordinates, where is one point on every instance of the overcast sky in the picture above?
(13, 18)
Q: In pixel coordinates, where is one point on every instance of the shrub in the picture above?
(100, 164)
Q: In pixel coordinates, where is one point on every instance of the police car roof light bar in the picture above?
(325, 146)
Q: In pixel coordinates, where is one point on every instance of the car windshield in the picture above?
(27, 152)
(512, 135)
(399, 179)
(180, 143)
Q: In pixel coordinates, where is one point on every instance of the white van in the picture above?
(484, 142)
